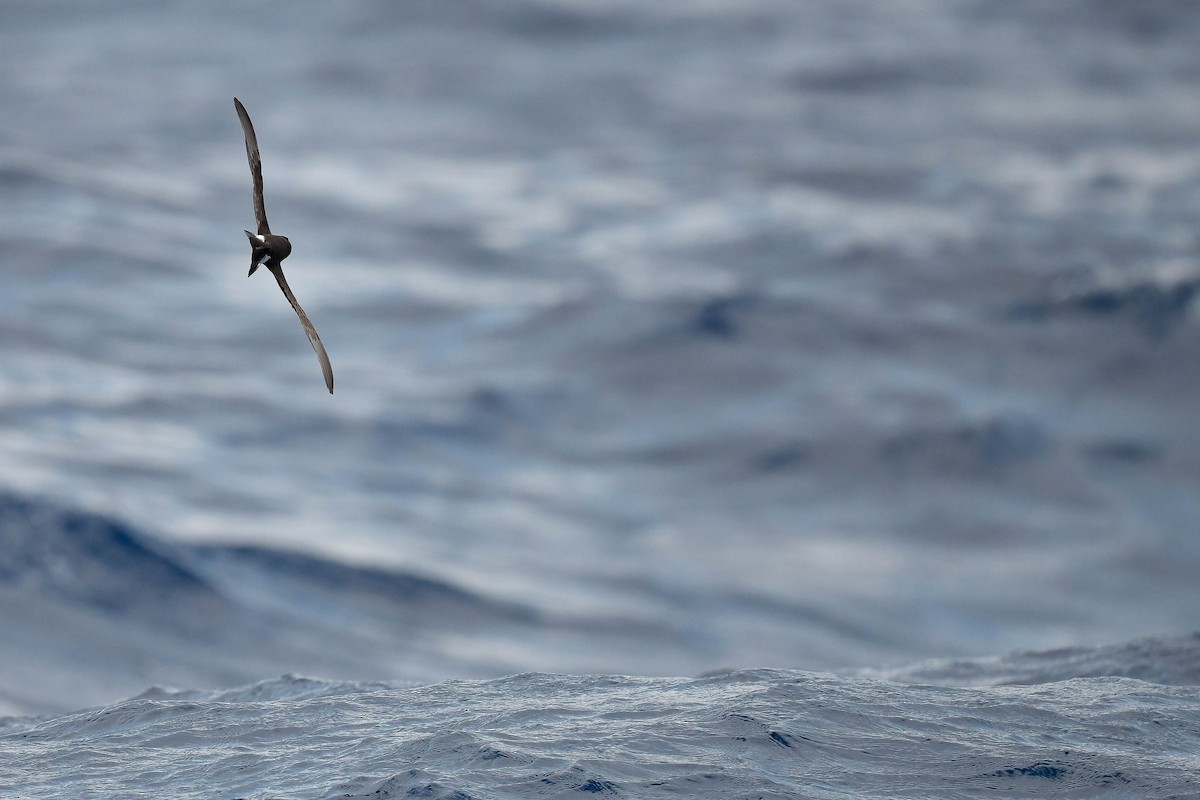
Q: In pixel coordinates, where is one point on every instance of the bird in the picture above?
(270, 249)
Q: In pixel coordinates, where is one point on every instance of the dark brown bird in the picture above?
(269, 250)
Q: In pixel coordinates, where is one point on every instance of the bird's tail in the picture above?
(257, 251)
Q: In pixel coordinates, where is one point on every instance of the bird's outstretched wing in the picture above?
(260, 210)
(313, 338)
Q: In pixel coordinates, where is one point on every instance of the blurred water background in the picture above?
(669, 337)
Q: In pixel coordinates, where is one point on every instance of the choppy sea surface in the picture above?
(745, 734)
(774, 362)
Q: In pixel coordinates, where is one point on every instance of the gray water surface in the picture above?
(669, 337)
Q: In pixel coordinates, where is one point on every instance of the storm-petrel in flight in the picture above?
(269, 250)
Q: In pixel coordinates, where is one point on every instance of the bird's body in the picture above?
(269, 249)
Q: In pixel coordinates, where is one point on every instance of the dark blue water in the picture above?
(669, 338)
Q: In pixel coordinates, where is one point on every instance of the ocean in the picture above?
(733, 399)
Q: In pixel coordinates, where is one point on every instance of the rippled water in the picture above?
(758, 733)
(669, 338)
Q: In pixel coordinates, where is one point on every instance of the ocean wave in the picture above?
(1166, 660)
(1157, 304)
(87, 558)
(762, 733)
(92, 607)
